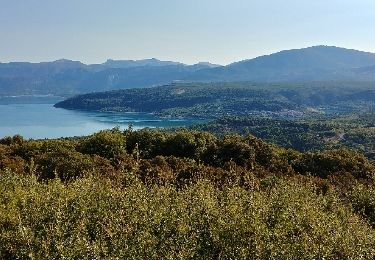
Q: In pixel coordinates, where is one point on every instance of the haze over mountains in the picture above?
(66, 77)
(313, 63)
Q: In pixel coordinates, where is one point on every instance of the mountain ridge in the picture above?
(67, 77)
(294, 65)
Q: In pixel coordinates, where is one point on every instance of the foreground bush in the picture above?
(363, 200)
(95, 218)
(154, 194)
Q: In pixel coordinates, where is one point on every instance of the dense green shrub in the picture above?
(11, 162)
(190, 144)
(12, 140)
(149, 143)
(233, 148)
(107, 143)
(146, 143)
(33, 148)
(363, 200)
(325, 163)
(182, 195)
(97, 218)
(64, 164)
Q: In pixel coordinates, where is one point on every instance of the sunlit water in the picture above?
(37, 118)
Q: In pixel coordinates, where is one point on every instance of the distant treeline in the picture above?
(213, 100)
(352, 131)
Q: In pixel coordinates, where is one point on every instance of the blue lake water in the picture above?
(37, 118)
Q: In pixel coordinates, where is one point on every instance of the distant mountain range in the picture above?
(308, 64)
(66, 77)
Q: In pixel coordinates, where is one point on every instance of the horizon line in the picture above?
(181, 62)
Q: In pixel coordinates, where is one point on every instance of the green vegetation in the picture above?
(305, 116)
(152, 194)
(354, 131)
(214, 100)
(218, 191)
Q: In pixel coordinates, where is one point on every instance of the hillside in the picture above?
(212, 100)
(307, 64)
(352, 131)
(64, 77)
(305, 117)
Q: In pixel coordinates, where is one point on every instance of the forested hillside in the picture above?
(185, 194)
(352, 131)
(213, 100)
(305, 117)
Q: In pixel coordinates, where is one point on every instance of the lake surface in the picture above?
(37, 118)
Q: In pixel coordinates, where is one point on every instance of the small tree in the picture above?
(108, 144)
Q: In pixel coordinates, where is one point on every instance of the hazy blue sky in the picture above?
(219, 31)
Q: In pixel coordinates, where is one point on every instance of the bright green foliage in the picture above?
(182, 143)
(97, 218)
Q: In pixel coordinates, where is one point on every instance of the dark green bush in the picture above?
(363, 200)
(322, 164)
(146, 143)
(108, 144)
(64, 164)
